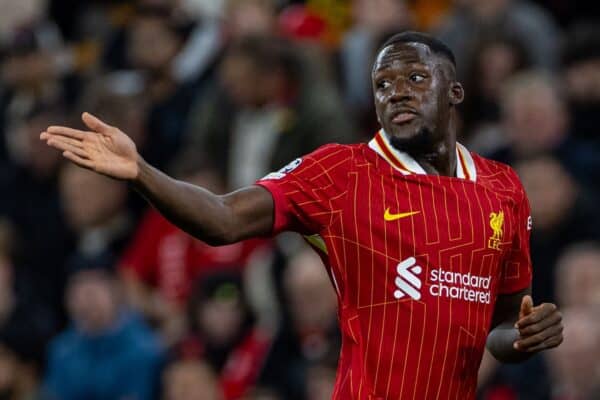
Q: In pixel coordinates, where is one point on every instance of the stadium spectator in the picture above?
(267, 111)
(18, 378)
(107, 353)
(27, 319)
(95, 210)
(190, 379)
(224, 332)
(574, 368)
(250, 18)
(578, 276)
(581, 66)
(493, 59)
(535, 120)
(371, 22)
(532, 24)
(151, 44)
(562, 213)
(161, 262)
(33, 206)
(308, 339)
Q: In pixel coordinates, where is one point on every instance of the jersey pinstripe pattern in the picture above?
(468, 242)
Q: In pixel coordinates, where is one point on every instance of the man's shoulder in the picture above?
(499, 176)
(331, 161)
(335, 151)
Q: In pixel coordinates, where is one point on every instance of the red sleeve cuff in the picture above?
(280, 206)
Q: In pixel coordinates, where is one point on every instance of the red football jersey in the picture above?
(417, 261)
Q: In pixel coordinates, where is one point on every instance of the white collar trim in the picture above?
(406, 164)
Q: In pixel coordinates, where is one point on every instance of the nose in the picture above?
(400, 93)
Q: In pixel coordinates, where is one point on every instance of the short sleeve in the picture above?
(309, 192)
(517, 268)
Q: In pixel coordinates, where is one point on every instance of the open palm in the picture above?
(104, 149)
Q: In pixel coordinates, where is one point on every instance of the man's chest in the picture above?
(423, 239)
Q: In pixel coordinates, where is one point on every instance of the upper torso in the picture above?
(417, 262)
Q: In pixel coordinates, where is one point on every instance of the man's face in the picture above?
(411, 88)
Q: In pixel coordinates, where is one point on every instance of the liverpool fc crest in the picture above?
(496, 222)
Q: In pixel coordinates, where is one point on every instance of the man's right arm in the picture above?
(215, 219)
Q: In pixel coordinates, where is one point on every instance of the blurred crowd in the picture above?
(101, 298)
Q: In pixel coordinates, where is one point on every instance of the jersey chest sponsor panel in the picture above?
(417, 264)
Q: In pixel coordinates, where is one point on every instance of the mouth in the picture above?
(403, 116)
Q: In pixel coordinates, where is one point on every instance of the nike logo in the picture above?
(392, 217)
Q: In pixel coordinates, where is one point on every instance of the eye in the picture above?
(416, 77)
(383, 84)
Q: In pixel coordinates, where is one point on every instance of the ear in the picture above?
(456, 93)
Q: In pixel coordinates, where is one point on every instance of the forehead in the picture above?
(399, 54)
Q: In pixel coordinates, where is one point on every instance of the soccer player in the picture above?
(426, 244)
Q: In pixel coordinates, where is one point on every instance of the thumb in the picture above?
(526, 306)
(95, 123)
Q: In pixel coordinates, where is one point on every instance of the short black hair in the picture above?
(437, 46)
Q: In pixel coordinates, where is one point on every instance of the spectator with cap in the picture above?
(107, 353)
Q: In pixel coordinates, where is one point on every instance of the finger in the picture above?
(63, 145)
(82, 162)
(552, 319)
(526, 306)
(64, 131)
(541, 312)
(549, 343)
(95, 123)
(531, 341)
(65, 139)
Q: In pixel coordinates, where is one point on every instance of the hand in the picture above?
(104, 149)
(539, 327)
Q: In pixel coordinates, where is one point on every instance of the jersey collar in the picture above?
(405, 164)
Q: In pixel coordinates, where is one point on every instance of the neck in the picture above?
(436, 155)
(440, 159)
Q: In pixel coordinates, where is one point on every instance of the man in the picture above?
(425, 243)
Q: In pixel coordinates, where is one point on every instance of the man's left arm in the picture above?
(520, 329)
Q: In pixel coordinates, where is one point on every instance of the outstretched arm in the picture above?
(212, 218)
(520, 330)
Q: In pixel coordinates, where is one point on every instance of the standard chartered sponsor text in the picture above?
(468, 287)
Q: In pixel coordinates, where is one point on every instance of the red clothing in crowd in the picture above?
(165, 257)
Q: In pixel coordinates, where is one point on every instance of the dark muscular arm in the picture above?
(212, 218)
(519, 329)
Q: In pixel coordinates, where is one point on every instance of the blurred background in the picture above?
(101, 298)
